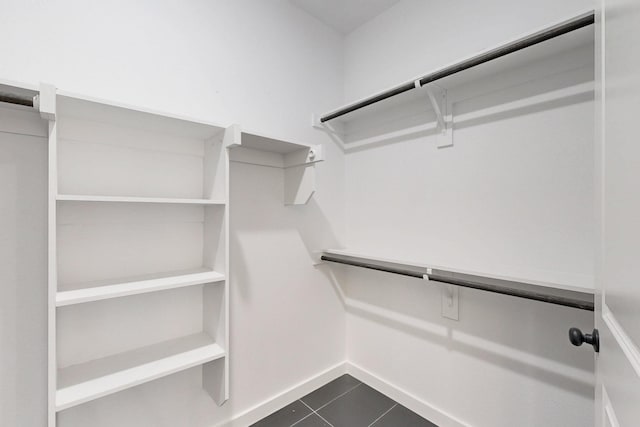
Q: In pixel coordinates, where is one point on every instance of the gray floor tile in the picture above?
(312, 421)
(358, 408)
(402, 417)
(330, 391)
(285, 416)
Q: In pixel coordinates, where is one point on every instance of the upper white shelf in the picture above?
(97, 291)
(571, 41)
(297, 160)
(114, 199)
(88, 381)
(256, 148)
(265, 143)
(118, 114)
(116, 153)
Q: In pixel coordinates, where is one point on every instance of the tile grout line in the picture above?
(314, 411)
(380, 417)
(337, 397)
(303, 418)
(321, 417)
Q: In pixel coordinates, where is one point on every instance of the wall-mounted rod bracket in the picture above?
(439, 102)
(334, 134)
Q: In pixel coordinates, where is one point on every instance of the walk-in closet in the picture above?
(319, 213)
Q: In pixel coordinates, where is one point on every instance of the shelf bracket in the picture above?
(300, 174)
(334, 134)
(45, 101)
(232, 136)
(442, 108)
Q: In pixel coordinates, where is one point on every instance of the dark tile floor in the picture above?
(344, 402)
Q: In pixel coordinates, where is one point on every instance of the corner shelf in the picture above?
(126, 199)
(97, 378)
(297, 160)
(89, 292)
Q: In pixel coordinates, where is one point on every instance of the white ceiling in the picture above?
(344, 15)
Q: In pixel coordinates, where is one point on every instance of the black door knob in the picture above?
(577, 338)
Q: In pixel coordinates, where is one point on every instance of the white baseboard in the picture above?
(417, 405)
(281, 400)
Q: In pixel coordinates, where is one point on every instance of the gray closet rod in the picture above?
(567, 298)
(15, 99)
(523, 43)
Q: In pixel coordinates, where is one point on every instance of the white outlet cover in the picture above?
(450, 302)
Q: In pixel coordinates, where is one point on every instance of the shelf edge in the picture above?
(128, 199)
(84, 295)
(214, 352)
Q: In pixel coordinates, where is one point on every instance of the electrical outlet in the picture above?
(450, 302)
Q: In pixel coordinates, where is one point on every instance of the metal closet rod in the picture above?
(536, 38)
(14, 99)
(572, 299)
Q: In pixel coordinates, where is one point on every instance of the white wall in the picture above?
(265, 65)
(513, 196)
(23, 274)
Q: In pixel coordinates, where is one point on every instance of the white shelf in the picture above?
(297, 160)
(106, 111)
(118, 199)
(561, 45)
(263, 150)
(97, 291)
(258, 141)
(88, 381)
(420, 265)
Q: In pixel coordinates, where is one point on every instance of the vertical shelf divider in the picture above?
(47, 107)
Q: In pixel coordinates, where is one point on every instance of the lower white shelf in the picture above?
(570, 296)
(82, 383)
(128, 199)
(97, 291)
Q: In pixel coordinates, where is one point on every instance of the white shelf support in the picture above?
(45, 101)
(304, 157)
(300, 174)
(46, 104)
(333, 133)
(232, 136)
(443, 110)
